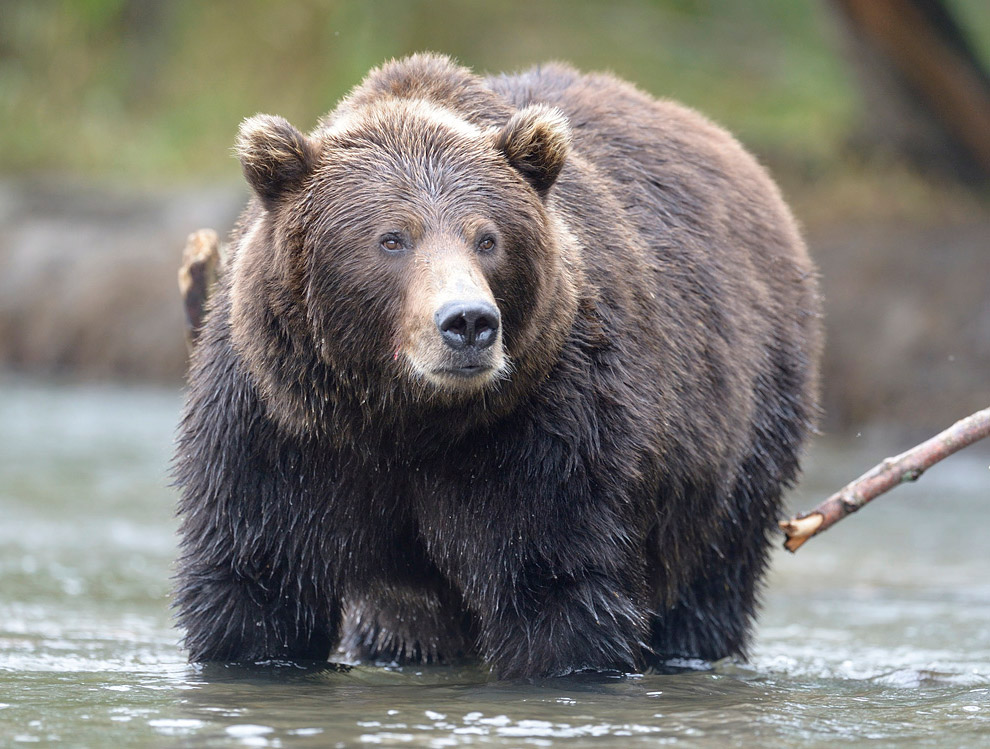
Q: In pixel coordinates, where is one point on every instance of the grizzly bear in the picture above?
(511, 368)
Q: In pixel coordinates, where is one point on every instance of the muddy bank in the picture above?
(908, 321)
(88, 290)
(88, 278)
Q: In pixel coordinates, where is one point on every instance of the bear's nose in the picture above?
(468, 324)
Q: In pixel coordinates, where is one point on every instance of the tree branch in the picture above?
(907, 466)
(202, 261)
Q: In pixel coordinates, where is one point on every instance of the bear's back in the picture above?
(673, 167)
(703, 263)
(680, 186)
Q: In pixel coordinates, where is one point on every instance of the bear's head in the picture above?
(400, 255)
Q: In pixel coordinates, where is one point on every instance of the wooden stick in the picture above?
(907, 466)
(202, 260)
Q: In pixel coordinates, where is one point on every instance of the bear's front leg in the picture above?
(549, 562)
(555, 585)
(539, 623)
(232, 616)
(255, 579)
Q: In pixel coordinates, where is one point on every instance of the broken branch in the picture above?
(202, 261)
(907, 466)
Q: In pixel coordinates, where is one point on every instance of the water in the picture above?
(878, 631)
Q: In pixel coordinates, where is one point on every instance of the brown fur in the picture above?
(655, 364)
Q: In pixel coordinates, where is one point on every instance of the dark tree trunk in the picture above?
(927, 94)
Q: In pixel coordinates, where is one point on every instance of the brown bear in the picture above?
(512, 368)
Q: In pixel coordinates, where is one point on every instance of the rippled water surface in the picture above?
(877, 632)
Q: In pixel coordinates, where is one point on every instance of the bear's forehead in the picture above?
(409, 149)
(413, 136)
(394, 114)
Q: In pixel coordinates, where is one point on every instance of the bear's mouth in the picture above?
(467, 372)
(461, 372)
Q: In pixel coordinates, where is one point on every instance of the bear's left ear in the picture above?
(536, 141)
(275, 157)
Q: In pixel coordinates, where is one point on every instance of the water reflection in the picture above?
(877, 631)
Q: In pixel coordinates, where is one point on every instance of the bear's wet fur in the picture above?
(590, 478)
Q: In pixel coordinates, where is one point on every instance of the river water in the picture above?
(877, 632)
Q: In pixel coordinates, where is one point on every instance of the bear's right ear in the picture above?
(274, 155)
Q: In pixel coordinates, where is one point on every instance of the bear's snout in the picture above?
(452, 332)
(467, 325)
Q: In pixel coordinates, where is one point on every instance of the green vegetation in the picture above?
(154, 90)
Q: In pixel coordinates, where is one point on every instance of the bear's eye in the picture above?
(487, 244)
(392, 243)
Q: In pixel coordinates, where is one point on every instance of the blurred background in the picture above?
(117, 117)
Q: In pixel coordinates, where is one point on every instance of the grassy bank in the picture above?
(155, 89)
